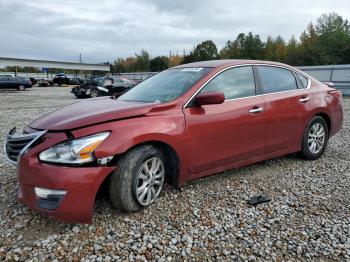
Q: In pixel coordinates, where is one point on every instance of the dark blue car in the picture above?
(11, 82)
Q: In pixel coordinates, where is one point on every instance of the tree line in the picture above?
(326, 42)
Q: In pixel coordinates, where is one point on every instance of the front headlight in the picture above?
(102, 88)
(77, 151)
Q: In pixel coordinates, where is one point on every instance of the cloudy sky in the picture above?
(105, 29)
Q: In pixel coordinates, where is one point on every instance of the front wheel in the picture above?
(139, 179)
(315, 138)
(94, 93)
(21, 88)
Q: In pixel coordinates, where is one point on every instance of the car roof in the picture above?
(7, 75)
(228, 62)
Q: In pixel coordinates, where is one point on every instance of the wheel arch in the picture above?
(173, 161)
(327, 118)
(319, 112)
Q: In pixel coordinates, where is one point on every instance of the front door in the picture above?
(226, 133)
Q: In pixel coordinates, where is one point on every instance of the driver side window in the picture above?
(234, 83)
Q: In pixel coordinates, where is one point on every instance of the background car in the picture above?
(103, 86)
(76, 81)
(60, 79)
(44, 82)
(10, 81)
(33, 80)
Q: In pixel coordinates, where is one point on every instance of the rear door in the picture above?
(226, 133)
(287, 104)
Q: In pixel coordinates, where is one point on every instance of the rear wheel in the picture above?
(315, 138)
(139, 179)
(21, 88)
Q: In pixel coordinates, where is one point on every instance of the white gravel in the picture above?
(307, 219)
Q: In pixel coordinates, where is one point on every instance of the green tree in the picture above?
(244, 46)
(159, 63)
(231, 50)
(269, 52)
(118, 66)
(142, 61)
(252, 47)
(326, 43)
(281, 49)
(309, 47)
(275, 49)
(188, 58)
(333, 38)
(206, 50)
(293, 52)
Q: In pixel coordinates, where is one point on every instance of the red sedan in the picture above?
(184, 123)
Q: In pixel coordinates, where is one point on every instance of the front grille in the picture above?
(16, 144)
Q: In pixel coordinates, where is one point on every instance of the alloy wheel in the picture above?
(94, 93)
(316, 138)
(149, 181)
(21, 88)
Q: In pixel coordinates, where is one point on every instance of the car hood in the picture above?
(89, 112)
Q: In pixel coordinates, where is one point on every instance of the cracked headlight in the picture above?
(77, 151)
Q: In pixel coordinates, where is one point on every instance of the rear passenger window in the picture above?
(234, 83)
(275, 79)
(304, 81)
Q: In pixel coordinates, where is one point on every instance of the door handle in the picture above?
(256, 110)
(304, 99)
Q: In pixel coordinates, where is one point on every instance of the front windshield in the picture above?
(99, 79)
(165, 86)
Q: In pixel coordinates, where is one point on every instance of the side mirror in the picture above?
(211, 98)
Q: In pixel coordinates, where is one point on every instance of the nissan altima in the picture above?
(184, 123)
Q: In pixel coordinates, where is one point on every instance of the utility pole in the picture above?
(80, 61)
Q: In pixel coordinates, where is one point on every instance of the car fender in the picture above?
(136, 131)
(314, 112)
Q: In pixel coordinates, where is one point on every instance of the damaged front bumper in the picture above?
(65, 193)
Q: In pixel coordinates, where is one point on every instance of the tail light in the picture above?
(336, 93)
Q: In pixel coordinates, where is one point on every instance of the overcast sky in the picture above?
(103, 30)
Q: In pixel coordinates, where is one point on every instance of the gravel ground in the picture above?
(307, 219)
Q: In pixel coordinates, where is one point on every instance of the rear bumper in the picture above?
(80, 183)
(337, 120)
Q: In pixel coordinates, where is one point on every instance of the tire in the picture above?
(314, 144)
(130, 179)
(94, 93)
(21, 88)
